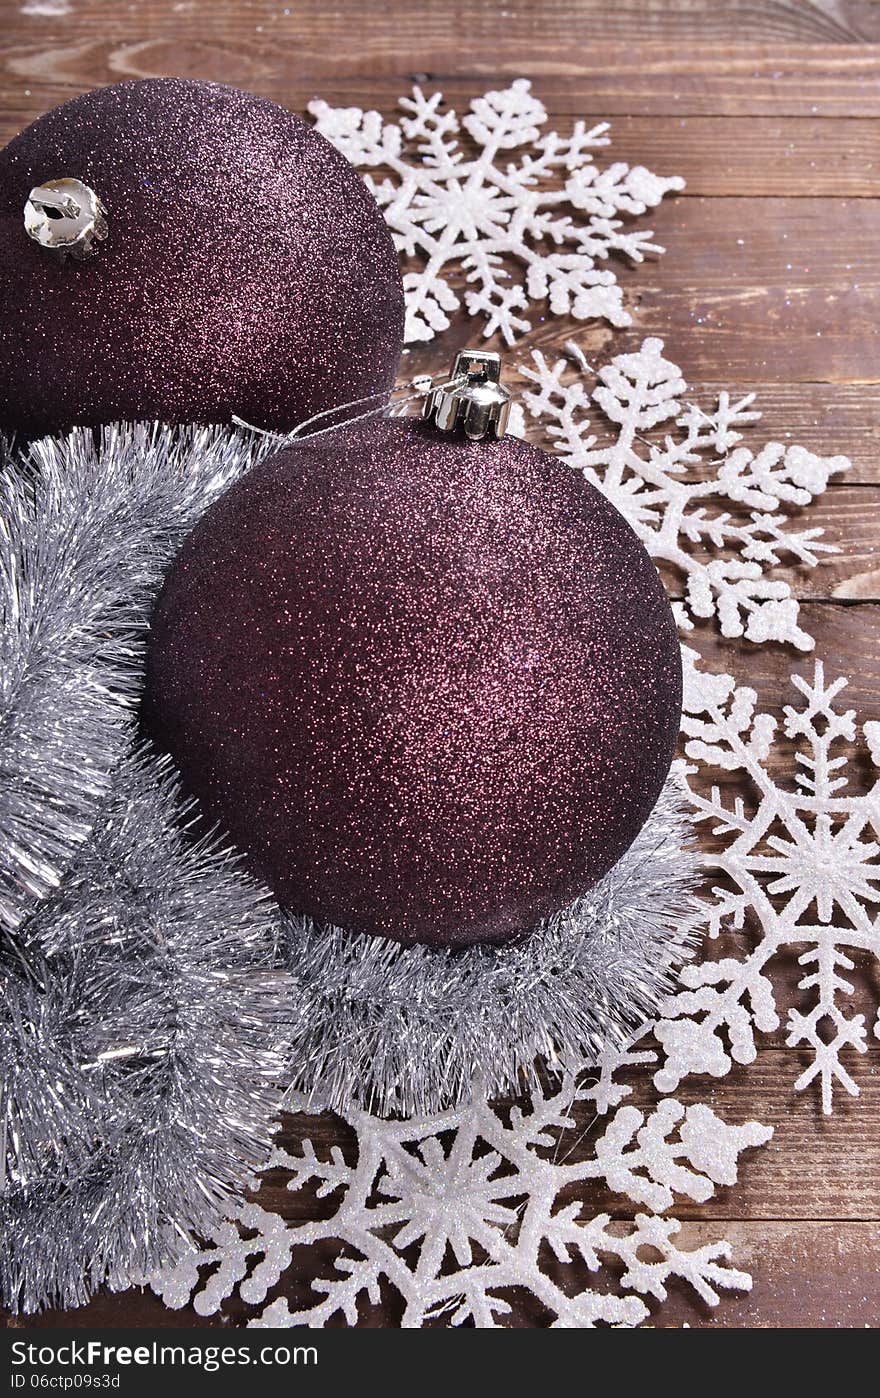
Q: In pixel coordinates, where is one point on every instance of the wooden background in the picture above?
(771, 281)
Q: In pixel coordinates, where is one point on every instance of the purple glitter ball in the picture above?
(247, 267)
(431, 688)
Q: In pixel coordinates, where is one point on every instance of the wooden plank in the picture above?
(652, 80)
(833, 331)
(718, 154)
(787, 974)
(816, 1174)
(791, 157)
(850, 519)
(794, 245)
(805, 1275)
(812, 1275)
(775, 291)
(615, 82)
(289, 52)
(814, 1168)
(807, 1186)
(757, 22)
(828, 419)
(779, 290)
(136, 1309)
(847, 642)
(775, 157)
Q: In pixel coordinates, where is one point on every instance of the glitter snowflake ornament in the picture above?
(496, 218)
(722, 529)
(457, 1214)
(803, 863)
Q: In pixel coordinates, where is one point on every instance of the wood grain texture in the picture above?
(771, 283)
(847, 641)
(848, 519)
(805, 1276)
(746, 59)
(776, 289)
(791, 157)
(831, 419)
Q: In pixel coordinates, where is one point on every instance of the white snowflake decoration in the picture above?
(804, 862)
(451, 209)
(677, 507)
(429, 1208)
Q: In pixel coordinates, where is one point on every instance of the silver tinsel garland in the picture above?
(140, 1036)
(86, 530)
(141, 1027)
(405, 1030)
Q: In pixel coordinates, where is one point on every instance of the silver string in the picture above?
(392, 406)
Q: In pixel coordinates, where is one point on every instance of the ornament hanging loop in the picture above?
(66, 217)
(474, 400)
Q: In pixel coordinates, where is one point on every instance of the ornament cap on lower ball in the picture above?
(431, 687)
(473, 398)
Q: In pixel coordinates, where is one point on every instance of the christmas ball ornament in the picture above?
(187, 252)
(430, 686)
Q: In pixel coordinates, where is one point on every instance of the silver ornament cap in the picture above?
(65, 216)
(473, 399)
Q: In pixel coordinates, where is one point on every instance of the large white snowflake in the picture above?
(698, 501)
(474, 210)
(459, 1214)
(803, 868)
